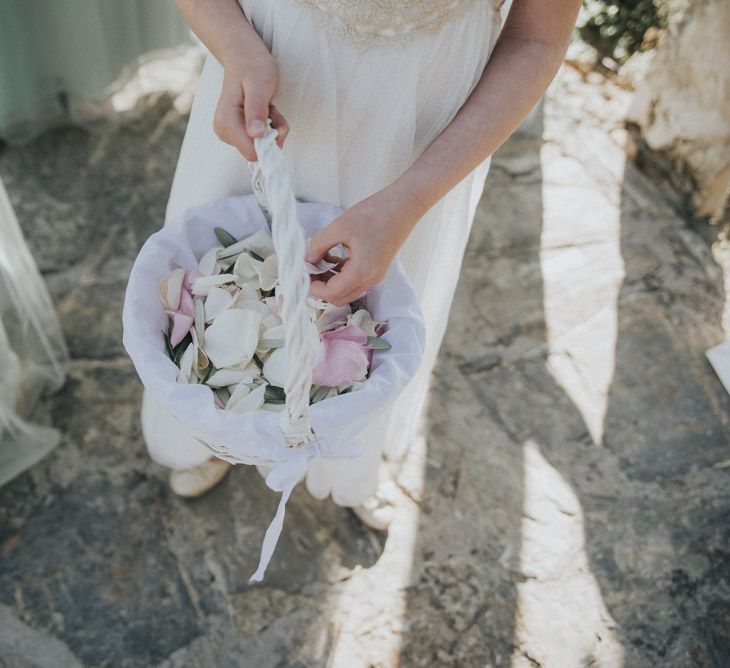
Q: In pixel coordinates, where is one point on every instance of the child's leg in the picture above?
(168, 442)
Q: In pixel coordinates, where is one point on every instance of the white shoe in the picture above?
(376, 512)
(199, 479)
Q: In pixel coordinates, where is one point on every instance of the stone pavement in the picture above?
(567, 505)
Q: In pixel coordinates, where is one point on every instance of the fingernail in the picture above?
(257, 128)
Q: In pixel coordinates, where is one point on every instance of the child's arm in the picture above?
(251, 76)
(525, 59)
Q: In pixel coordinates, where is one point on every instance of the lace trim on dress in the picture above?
(392, 22)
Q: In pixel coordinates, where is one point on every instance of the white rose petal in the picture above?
(260, 243)
(274, 408)
(276, 367)
(207, 264)
(246, 268)
(233, 337)
(248, 294)
(316, 303)
(246, 400)
(202, 285)
(269, 273)
(272, 303)
(186, 366)
(364, 321)
(200, 359)
(170, 287)
(273, 337)
(225, 377)
(254, 305)
(333, 316)
(271, 321)
(251, 368)
(217, 301)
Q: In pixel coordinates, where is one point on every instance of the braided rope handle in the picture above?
(272, 187)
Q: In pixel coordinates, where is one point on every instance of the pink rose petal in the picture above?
(186, 303)
(190, 277)
(347, 333)
(343, 362)
(181, 325)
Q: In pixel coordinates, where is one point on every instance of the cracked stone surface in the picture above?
(566, 505)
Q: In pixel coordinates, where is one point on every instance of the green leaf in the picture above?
(223, 394)
(224, 237)
(168, 343)
(274, 395)
(180, 348)
(376, 343)
(317, 393)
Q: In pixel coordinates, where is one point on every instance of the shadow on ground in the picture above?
(542, 543)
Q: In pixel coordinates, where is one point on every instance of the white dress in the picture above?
(365, 87)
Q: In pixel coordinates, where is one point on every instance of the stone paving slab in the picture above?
(566, 506)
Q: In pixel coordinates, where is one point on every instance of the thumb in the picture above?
(325, 239)
(256, 111)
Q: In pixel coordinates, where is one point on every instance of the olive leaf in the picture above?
(274, 395)
(223, 394)
(226, 238)
(317, 393)
(376, 343)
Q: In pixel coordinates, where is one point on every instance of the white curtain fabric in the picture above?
(62, 60)
(32, 348)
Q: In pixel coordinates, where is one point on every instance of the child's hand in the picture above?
(372, 232)
(245, 103)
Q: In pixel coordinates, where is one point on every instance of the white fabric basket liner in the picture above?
(256, 436)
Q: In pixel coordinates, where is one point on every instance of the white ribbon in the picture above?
(283, 478)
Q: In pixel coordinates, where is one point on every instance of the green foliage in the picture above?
(621, 28)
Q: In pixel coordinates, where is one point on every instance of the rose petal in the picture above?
(226, 377)
(273, 337)
(208, 263)
(181, 325)
(270, 321)
(190, 277)
(346, 333)
(201, 363)
(186, 303)
(246, 268)
(364, 321)
(186, 366)
(333, 316)
(202, 285)
(233, 337)
(322, 267)
(217, 301)
(269, 273)
(252, 400)
(170, 287)
(276, 367)
(343, 362)
(261, 243)
(272, 304)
